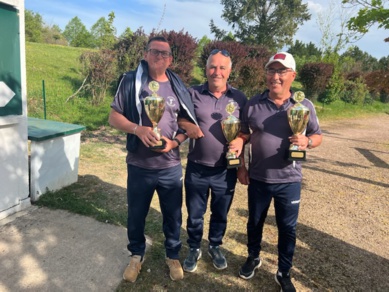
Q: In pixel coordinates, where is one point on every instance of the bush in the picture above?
(355, 92)
(130, 51)
(100, 71)
(377, 84)
(131, 48)
(248, 65)
(183, 47)
(354, 76)
(315, 78)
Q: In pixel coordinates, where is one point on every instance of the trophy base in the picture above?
(161, 144)
(233, 162)
(297, 155)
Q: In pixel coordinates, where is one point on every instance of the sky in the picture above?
(188, 15)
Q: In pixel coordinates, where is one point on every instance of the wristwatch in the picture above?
(309, 143)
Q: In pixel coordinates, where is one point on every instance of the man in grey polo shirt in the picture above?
(271, 175)
(152, 170)
(206, 171)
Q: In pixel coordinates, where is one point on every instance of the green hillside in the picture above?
(59, 67)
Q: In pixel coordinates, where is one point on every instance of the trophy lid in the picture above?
(299, 96)
(231, 107)
(154, 87)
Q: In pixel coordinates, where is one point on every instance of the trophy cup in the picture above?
(231, 128)
(155, 107)
(298, 117)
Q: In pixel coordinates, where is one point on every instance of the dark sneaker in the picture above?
(283, 279)
(219, 261)
(190, 263)
(247, 271)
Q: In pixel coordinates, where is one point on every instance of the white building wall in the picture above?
(14, 184)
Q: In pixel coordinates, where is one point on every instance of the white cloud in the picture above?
(314, 7)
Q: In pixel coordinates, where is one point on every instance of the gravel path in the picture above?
(342, 235)
(343, 224)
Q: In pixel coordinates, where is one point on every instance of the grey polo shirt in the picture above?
(143, 156)
(210, 111)
(270, 130)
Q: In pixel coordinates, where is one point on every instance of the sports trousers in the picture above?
(141, 184)
(200, 182)
(286, 204)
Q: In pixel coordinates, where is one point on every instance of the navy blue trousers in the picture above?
(200, 181)
(286, 205)
(141, 184)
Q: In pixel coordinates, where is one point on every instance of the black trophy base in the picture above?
(297, 155)
(161, 144)
(234, 162)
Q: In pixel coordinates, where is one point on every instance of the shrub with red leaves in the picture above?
(377, 83)
(248, 65)
(315, 78)
(183, 47)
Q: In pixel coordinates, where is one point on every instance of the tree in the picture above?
(130, 50)
(104, 32)
(53, 35)
(304, 53)
(33, 26)
(332, 23)
(335, 36)
(272, 23)
(372, 12)
(126, 33)
(304, 50)
(77, 34)
(383, 64)
(363, 60)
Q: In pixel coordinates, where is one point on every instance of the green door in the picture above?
(10, 75)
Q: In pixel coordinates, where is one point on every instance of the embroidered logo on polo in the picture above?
(171, 101)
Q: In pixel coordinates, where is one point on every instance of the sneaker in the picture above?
(219, 261)
(283, 279)
(176, 272)
(133, 269)
(247, 271)
(190, 263)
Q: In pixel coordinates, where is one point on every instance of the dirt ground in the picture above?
(343, 238)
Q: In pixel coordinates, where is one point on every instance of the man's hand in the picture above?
(147, 136)
(192, 131)
(170, 144)
(237, 145)
(299, 140)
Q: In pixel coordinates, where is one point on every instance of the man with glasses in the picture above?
(271, 175)
(206, 171)
(157, 170)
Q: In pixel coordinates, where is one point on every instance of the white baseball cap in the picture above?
(284, 58)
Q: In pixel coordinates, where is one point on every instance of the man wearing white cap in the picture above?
(271, 175)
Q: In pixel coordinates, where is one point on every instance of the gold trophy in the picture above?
(155, 107)
(298, 117)
(231, 128)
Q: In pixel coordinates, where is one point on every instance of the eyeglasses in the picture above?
(280, 72)
(224, 52)
(164, 54)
